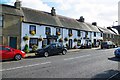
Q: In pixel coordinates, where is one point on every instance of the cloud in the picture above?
(34, 4)
(104, 12)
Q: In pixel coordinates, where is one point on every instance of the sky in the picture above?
(104, 12)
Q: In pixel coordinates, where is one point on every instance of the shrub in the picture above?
(44, 45)
(75, 47)
(78, 44)
(26, 48)
(34, 47)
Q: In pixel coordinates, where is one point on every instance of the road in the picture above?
(86, 63)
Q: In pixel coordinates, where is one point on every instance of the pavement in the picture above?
(71, 50)
(68, 51)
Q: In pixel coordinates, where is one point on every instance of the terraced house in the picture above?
(21, 26)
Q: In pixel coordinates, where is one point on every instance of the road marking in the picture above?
(113, 75)
(76, 57)
(24, 66)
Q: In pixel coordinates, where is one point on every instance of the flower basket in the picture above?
(75, 40)
(66, 39)
(32, 32)
(25, 38)
(60, 40)
(58, 33)
(70, 35)
(47, 33)
(40, 39)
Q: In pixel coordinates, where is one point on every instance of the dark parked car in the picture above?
(51, 49)
(107, 45)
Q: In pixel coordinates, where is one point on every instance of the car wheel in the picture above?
(64, 52)
(18, 57)
(46, 54)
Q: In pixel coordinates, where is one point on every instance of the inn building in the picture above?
(20, 26)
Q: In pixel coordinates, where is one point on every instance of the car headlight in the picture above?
(22, 51)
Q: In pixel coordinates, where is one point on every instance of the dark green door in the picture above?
(13, 42)
(70, 43)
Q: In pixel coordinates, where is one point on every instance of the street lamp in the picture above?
(114, 22)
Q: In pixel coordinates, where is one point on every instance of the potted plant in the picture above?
(75, 40)
(66, 39)
(70, 34)
(60, 40)
(32, 32)
(34, 47)
(25, 37)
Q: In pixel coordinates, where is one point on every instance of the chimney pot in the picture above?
(81, 19)
(17, 4)
(53, 13)
(94, 23)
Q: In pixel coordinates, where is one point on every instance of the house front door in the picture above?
(13, 42)
(70, 43)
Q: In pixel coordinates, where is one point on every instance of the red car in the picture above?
(7, 52)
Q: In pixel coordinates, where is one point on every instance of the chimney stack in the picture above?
(17, 4)
(94, 23)
(81, 19)
(53, 13)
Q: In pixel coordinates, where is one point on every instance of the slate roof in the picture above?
(7, 9)
(45, 18)
(105, 30)
(72, 23)
(40, 17)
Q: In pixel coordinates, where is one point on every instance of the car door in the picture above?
(52, 49)
(7, 53)
(59, 48)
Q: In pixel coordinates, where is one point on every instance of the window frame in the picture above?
(70, 31)
(31, 28)
(30, 44)
(48, 29)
